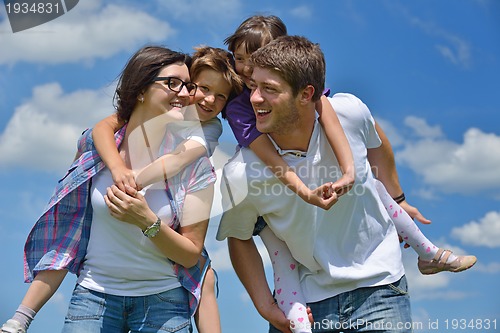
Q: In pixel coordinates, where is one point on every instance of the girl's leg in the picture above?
(40, 291)
(431, 259)
(286, 282)
(406, 227)
(207, 316)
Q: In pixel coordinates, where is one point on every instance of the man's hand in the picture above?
(414, 214)
(277, 318)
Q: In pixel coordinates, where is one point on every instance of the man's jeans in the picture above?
(94, 312)
(374, 309)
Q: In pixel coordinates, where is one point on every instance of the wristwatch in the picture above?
(153, 229)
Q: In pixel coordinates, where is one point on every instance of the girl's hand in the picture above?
(322, 196)
(130, 207)
(343, 185)
(122, 177)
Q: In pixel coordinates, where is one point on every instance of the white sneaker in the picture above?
(13, 326)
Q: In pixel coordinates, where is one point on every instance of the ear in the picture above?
(306, 94)
(140, 98)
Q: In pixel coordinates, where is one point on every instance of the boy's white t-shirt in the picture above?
(352, 245)
(206, 133)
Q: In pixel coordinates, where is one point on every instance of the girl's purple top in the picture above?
(241, 118)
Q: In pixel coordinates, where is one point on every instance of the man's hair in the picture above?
(222, 62)
(297, 60)
(256, 31)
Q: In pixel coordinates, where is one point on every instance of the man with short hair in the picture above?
(349, 256)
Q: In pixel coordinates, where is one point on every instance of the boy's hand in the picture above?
(122, 177)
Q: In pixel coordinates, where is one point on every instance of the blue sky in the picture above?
(428, 70)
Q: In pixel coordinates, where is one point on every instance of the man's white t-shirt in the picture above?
(354, 244)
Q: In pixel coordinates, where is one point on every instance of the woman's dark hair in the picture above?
(256, 31)
(139, 73)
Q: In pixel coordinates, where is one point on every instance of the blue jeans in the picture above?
(94, 312)
(373, 309)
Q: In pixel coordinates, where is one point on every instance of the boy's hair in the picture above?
(256, 31)
(297, 60)
(139, 73)
(222, 62)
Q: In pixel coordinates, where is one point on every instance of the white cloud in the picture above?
(465, 168)
(302, 12)
(491, 268)
(395, 138)
(457, 51)
(450, 46)
(486, 232)
(422, 129)
(43, 131)
(91, 30)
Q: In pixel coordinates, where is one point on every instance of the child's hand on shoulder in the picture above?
(122, 177)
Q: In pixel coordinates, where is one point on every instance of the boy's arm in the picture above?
(264, 149)
(338, 141)
(104, 141)
(170, 164)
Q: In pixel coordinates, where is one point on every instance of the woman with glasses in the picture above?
(217, 83)
(136, 254)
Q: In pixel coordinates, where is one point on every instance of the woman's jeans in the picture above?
(95, 312)
(373, 309)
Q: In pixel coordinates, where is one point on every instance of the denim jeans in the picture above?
(92, 312)
(373, 309)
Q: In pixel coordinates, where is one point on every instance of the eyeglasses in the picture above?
(175, 84)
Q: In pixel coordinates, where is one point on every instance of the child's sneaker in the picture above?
(439, 263)
(13, 326)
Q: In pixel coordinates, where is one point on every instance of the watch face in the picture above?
(151, 232)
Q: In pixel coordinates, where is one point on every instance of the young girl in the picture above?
(212, 69)
(253, 33)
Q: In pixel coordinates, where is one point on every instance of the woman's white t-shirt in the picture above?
(120, 260)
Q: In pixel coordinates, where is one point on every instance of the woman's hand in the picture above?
(129, 206)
